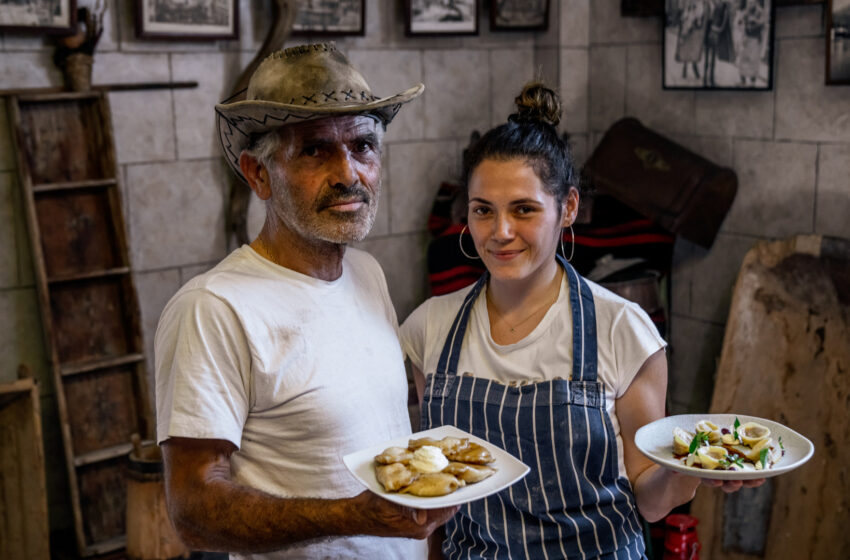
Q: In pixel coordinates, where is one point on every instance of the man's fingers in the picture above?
(420, 516)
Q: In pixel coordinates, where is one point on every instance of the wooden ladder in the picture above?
(89, 309)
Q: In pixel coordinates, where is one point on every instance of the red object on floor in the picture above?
(680, 540)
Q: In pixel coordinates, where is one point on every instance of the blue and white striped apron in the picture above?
(573, 503)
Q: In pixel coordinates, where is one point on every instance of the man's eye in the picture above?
(310, 151)
(363, 146)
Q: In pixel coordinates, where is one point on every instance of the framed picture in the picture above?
(838, 42)
(519, 15)
(441, 17)
(642, 8)
(718, 44)
(324, 17)
(187, 19)
(45, 16)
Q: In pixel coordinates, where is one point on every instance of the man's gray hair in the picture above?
(264, 148)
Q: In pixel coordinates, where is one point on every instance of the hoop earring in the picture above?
(460, 244)
(572, 245)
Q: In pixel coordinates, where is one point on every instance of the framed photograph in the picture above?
(519, 15)
(45, 16)
(642, 8)
(838, 42)
(441, 17)
(199, 20)
(323, 17)
(718, 44)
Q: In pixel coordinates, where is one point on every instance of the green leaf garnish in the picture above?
(732, 460)
(736, 425)
(698, 440)
(763, 457)
(782, 447)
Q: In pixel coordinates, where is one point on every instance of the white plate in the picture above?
(655, 440)
(509, 470)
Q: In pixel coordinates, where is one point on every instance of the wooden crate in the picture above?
(23, 498)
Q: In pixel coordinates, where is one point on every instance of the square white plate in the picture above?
(655, 440)
(509, 470)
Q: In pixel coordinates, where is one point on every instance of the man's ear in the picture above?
(256, 174)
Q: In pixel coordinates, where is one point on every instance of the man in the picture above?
(284, 358)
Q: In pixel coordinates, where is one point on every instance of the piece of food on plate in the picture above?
(428, 459)
(394, 455)
(395, 476)
(470, 474)
(448, 444)
(473, 453)
(433, 484)
(742, 447)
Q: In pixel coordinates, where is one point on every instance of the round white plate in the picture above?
(655, 440)
(509, 470)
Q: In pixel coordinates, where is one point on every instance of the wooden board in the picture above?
(786, 357)
(23, 497)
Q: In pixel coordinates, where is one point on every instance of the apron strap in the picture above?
(451, 349)
(584, 325)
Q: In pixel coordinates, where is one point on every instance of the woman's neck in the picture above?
(508, 295)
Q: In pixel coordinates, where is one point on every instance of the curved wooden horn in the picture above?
(283, 15)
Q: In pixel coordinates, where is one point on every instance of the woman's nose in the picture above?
(503, 227)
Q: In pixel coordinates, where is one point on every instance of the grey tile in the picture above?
(833, 191)
(706, 279)
(416, 171)
(800, 21)
(547, 65)
(28, 70)
(716, 149)
(154, 289)
(667, 111)
(806, 109)
(607, 75)
(511, 70)
(776, 189)
(194, 108)
(176, 213)
(573, 88)
(574, 22)
(123, 68)
(22, 338)
(747, 114)
(455, 106)
(403, 259)
(693, 355)
(607, 26)
(389, 72)
(143, 135)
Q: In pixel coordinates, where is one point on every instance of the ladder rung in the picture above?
(48, 187)
(89, 275)
(103, 454)
(103, 363)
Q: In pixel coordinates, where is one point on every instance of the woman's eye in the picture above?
(524, 209)
(480, 210)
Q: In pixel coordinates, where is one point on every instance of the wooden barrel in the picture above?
(150, 534)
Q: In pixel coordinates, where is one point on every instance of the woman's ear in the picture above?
(570, 209)
(256, 174)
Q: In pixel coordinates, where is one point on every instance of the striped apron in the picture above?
(573, 503)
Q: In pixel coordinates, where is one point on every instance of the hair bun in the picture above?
(537, 103)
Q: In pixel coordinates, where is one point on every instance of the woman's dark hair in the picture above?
(530, 135)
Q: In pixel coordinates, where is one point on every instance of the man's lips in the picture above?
(348, 205)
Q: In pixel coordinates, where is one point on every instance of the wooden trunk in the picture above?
(786, 357)
(23, 498)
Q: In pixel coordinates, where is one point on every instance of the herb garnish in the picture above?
(763, 457)
(732, 460)
(782, 447)
(737, 425)
(698, 440)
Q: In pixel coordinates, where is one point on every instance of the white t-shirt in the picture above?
(625, 337)
(295, 371)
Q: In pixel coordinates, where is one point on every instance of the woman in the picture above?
(554, 368)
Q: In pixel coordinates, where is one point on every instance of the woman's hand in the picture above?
(730, 486)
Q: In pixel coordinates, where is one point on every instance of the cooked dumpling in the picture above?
(751, 433)
(681, 441)
(394, 455)
(394, 476)
(473, 453)
(469, 473)
(710, 428)
(447, 445)
(433, 484)
(709, 457)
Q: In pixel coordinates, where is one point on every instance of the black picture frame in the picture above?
(37, 17)
(642, 8)
(838, 42)
(430, 17)
(519, 15)
(341, 17)
(703, 49)
(180, 20)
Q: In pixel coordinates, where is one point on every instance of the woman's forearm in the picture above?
(659, 490)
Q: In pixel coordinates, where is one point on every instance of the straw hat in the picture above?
(299, 84)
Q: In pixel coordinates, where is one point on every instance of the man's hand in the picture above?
(387, 519)
(730, 486)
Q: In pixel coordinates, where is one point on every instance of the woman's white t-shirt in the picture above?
(625, 336)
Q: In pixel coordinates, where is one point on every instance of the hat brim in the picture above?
(240, 121)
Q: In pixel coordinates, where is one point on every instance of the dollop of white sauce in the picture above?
(429, 459)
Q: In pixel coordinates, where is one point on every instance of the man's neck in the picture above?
(322, 260)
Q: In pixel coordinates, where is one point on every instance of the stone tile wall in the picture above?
(790, 148)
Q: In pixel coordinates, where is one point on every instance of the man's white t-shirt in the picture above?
(295, 371)
(625, 337)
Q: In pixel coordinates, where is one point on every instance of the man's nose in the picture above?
(343, 169)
